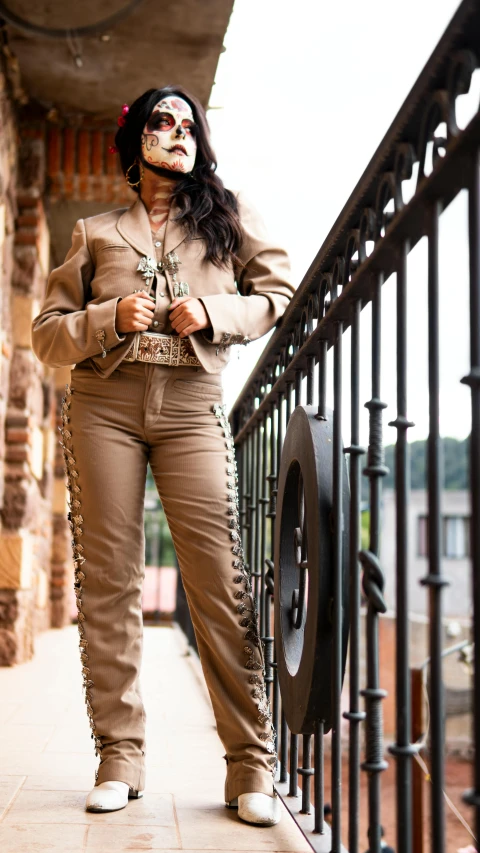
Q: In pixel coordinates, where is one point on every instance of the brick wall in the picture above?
(81, 168)
(33, 525)
(41, 162)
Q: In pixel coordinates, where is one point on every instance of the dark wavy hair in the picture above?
(207, 209)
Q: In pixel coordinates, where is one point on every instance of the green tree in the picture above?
(454, 458)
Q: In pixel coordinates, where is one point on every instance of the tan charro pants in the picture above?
(173, 418)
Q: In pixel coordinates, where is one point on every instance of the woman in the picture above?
(146, 389)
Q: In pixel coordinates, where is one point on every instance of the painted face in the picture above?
(169, 136)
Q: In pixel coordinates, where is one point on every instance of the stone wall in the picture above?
(33, 525)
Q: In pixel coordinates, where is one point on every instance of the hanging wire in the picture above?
(449, 802)
(75, 48)
(422, 742)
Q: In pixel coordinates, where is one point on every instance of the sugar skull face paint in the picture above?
(169, 136)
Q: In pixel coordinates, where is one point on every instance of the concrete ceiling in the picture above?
(161, 42)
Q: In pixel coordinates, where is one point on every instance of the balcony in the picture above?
(363, 721)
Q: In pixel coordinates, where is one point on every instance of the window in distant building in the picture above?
(455, 536)
(422, 545)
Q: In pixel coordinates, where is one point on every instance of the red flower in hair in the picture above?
(121, 118)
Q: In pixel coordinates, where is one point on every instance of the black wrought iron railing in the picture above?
(300, 488)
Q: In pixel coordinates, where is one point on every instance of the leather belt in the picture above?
(162, 349)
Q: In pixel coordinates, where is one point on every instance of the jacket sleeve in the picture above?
(68, 329)
(264, 285)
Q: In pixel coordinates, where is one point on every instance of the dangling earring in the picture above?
(140, 169)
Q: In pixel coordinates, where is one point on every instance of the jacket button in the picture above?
(161, 294)
(155, 322)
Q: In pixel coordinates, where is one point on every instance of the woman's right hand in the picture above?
(134, 313)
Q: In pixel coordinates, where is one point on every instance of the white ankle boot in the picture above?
(258, 808)
(110, 796)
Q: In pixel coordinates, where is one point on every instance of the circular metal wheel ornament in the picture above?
(304, 539)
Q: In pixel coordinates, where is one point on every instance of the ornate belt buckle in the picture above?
(134, 348)
(175, 350)
(170, 355)
(170, 349)
(147, 352)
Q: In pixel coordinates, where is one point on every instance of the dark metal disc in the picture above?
(305, 500)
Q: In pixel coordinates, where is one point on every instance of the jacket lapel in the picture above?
(134, 227)
(174, 232)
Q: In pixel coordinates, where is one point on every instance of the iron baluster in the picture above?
(318, 778)
(434, 580)
(248, 498)
(310, 379)
(288, 403)
(265, 598)
(270, 675)
(272, 458)
(271, 680)
(306, 772)
(322, 379)
(403, 749)
(293, 736)
(257, 574)
(473, 380)
(354, 715)
(284, 409)
(337, 595)
(373, 583)
(293, 765)
(298, 387)
(284, 757)
(282, 418)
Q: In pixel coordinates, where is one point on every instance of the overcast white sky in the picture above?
(343, 69)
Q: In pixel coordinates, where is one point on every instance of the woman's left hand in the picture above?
(187, 315)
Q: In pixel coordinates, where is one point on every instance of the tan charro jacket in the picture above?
(101, 267)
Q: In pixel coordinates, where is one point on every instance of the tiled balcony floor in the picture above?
(47, 763)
